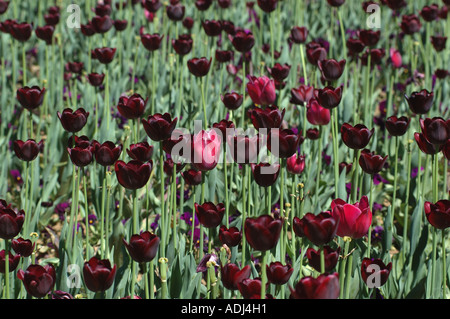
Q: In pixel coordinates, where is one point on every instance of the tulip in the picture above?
(13, 261)
(356, 137)
(203, 5)
(313, 134)
(38, 280)
(232, 101)
(209, 214)
(21, 31)
(396, 4)
(298, 35)
(302, 95)
(262, 233)
(225, 127)
(231, 275)
(438, 43)
(169, 165)
(250, 288)
(410, 24)
(268, 6)
(325, 286)
(151, 42)
(354, 220)
(279, 72)
(438, 214)
(295, 164)
(152, 5)
(88, 29)
(206, 147)
(142, 248)
(329, 97)
(75, 67)
(96, 79)
(331, 69)
(244, 149)
(3, 6)
(27, 151)
(134, 174)
(261, 90)
(98, 274)
(81, 156)
(101, 24)
(283, 143)
(331, 258)
(199, 67)
(188, 23)
(436, 130)
(316, 114)
(192, 177)
(159, 126)
(319, 229)
(396, 58)
(45, 33)
(243, 41)
(140, 151)
(279, 274)
(120, 25)
(425, 146)
(430, 13)
(30, 97)
(335, 3)
(230, 236)
(420, 102)
(315, 52)
(108, 153)
(132, 107)
(371, 163)
(266, 118)
(223, 56)
(22, 247)
(212, 28)
(175, 12)
(73, 121)
(105, 55)
(369, 37)
(11, 222)
(397, 126)
(265, 174)
(374, 272)
(183, 45)
(224, 4)
(103, 10)
(354, 46)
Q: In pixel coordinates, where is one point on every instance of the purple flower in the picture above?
(16, 176)
(203, 264)
(61, 209)
(187, 217)
(154, 225)
(415, 171)
(377, 232)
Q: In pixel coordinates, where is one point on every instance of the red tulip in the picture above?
(81, 156)
(223, 56)
(374, 272)
(329, 97)
(244, 149)
(96, 79)
(302, 95)
(436, 130)
(134, 174)
(192, 177)
(354, 220)
(410, 24)
(152, 5)
(102, 24)
(397, 126)
(45, 33)
(315, 52)
(3, 6)
(438, 214)
(268, 5)
(38, 280)
(105, 55)
(120, 25)
(284, 143)
(316, 114)
(295, 164)
(175, 12)
(425, 146)
(298, 35)
(230, 236)
(199, 67)
(251, 288)
(183, 45)
(369, 37)
(232, 275)
(420, 102)
(325, 286)
(262, 233)
(430, 13)
(233, 100)
(212, 28)
(143, 247)
(21, 31)
(261, 90)
(279, 72)
(98, 274)
(396, 58)
(243, 41)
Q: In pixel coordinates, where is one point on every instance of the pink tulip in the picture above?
(261, 90)
(354, 220)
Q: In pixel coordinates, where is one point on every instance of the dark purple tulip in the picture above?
(143, 247)
(370, 162)
(325, 286)
(251, 289)
(438, 214)
(396, 4)
(268, 6)
(212, 28)
(335, 3)
(159, 127)
(175, 12)
(279, 274)
(295, 164)
(313, 134)
(262, 233)
(102, 24)
(73, 121)
(225, 127)
(96, 79)
(134, 174)
(230, 236)
(152, 5)
(21, 31)
(316, 114)
(81, 156)
(331, 258)
(331, 69)
(13, 261)
(132, 107)
(3, 6)
(268, 118)
(410, 24)
(209, 214)
(151, 42)
(397, 126)
(27, 151)
(224, 4)
(369, 37)
(283, 143)
(182, 45)
(30, 97)
(102, 10)
(169, 165)
(232, 275)
(105, 55)
(302, 95)
(279, 72)
(75, 67)
(261, 90)
(320, 229)
(5, 26)
(329, 97)
(355, 46)
(299, 35)
(38, 280)
(140, 151)
(420, 102)
(22, 247)
(436, 130)
(188, 23)
(425, 146)
(10, 222)
(438, 43)
(233, 100)
(244, 149)
(224, 56)
(315, 52)
(430, 13)
(356, 137)
(265, 174)
(374, 272)
(98, 274)
(243, 41)
(45, 33)
(88, 29)
(199, 67)
(108, 153)
(120, 25)
(192, 177)
(203, 5)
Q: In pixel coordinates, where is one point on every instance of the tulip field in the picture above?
(224, 150)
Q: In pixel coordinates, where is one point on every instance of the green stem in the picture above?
(394, 195)
(263, 274)
(405, 221)
(7, 288)
(205, 125)
(163, 213)
(86, 217)
(322, 260)
(335, 151)
(369, 234)
(24, 65)
(444, 266)
(342, 266)
(163, 272)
